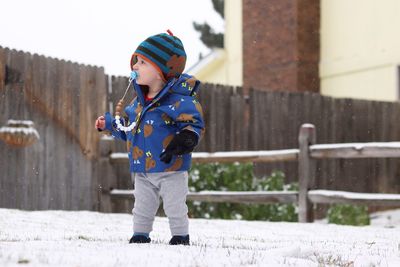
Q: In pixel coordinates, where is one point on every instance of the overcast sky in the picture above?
(100, 32)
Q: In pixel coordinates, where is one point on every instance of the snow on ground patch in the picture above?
(82, 238)
(389, 218)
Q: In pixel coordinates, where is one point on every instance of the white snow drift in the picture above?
(82, 238)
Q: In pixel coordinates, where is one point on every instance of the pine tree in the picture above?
(208, 36)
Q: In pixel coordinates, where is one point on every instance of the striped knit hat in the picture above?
(165, 52)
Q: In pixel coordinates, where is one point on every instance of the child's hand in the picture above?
(182, 143)
(100, 123)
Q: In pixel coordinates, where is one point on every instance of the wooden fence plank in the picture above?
(53, 181)
(221, 118)
(254, 131)
(76, 158)
(212, 121)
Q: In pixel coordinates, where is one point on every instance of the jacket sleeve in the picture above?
(188, 114)
(111, 127)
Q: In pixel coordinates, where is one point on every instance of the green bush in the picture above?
(348, 215)
(238, 177)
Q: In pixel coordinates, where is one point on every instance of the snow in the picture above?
(354, 195)
(235, 154)
(357, 146)
(245, 193)
(19, 122)
(83, 238)
(125, 192)
(261, 153)
(119, 155)
(14, 126)
(389, 219)
(25, 131)
(107, 138)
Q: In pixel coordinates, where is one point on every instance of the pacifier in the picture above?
(134, 75)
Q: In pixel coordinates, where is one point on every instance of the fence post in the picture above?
(307, 170)
(107, 176)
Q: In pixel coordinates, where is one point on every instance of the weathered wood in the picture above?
(2, 69)
(116, 91)
(221, 118)
(236, 134)
(226, 157)
(342, 197)
(256, 197)
(356, 150)
(107, 146)
(212, 122)
(107, 181)
(52, 173)
(247, 156)
(64, 98)
(254, 133)
(306, 171)
(78, 162)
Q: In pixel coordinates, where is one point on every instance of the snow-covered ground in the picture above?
(82, 238)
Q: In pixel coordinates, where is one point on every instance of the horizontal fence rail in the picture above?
(226, 157)
(356, 150)
(257, 197)
(343, 197)
(247, 156)
(319, 151)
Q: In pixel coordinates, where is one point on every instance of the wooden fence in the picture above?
(62, 98)
(270, 121)
(306, 156)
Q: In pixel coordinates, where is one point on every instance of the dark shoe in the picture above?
(139, 239)
(180, 240)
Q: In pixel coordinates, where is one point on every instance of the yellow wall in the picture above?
(227, 66)
(360, 48)
(214, 71)
(233, 42)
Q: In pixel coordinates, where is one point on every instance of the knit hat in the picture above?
(165, 52)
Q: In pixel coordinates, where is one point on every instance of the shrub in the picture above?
(348, 215)
(238, 177)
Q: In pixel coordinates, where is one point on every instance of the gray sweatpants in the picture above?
(173, 188)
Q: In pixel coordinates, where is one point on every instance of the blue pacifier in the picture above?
(134, 75)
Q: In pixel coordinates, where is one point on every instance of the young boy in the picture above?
(169, 123)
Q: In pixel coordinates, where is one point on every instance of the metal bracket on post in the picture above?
(307, 170)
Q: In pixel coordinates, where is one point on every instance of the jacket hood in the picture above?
(186, 85)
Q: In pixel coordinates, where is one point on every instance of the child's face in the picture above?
(147, 73)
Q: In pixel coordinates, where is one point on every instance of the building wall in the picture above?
(212, 69)
(360, 49)
(281, 45)
(225, 66)
(233, 42)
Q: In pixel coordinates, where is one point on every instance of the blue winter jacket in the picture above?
(174, 108)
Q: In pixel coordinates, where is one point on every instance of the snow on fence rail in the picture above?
(306, 155)
(356, 150)
(370, 199)
(257, 197)
(320, 151)
(226, 157)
